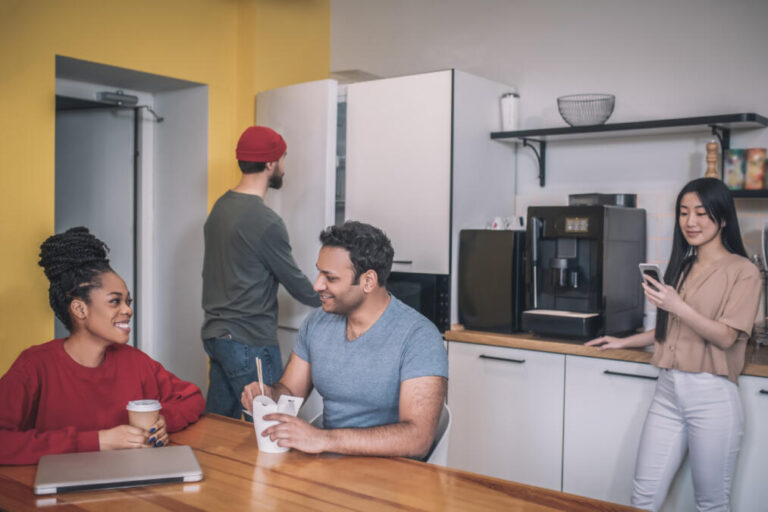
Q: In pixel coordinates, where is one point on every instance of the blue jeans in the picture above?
(232, 367)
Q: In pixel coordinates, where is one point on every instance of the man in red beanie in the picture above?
(247, 256)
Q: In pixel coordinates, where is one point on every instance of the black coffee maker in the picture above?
(582, 271)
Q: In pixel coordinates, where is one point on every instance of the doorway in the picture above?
(141, 186)
(95, 180)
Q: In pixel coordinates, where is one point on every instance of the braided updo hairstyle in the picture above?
(72, 262)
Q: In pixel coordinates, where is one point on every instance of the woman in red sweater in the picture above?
(69, 395)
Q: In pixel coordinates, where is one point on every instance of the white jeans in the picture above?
(699, 413)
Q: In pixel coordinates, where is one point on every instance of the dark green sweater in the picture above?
(247, 255)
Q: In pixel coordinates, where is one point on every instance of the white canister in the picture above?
(510, 111)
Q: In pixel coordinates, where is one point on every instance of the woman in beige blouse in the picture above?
(702, 326)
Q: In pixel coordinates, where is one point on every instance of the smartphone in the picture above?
(653, 270)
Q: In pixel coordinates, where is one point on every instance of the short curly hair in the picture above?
(369, 248)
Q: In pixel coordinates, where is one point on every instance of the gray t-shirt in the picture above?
(247, 254)
(360, 380)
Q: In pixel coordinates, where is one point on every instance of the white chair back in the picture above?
(439, 452)
(312, 410)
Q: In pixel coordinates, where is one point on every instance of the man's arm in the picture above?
(421, 401)
(296, 381)
(276, 252)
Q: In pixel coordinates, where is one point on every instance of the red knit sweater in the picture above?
(51, 404)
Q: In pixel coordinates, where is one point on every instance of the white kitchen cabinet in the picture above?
(606, 402)
(605, 405)
(750, 491)
(305, 115)
(399, 165)
(531, 417)
(421, 166)
(507, 413)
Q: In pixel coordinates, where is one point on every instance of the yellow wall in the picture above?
(236, 47)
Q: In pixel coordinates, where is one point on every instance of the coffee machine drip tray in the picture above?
(567, 324)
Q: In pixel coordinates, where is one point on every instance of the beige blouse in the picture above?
(727, 291)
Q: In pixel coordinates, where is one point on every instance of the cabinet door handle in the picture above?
(403, 262)
(622, 374)
(764, 391)
(519, 361)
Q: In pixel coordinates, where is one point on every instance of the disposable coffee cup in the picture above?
(143, 413)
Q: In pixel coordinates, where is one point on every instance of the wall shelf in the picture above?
(719, 125)
(749, 193)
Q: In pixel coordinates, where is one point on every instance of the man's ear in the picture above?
(370, 280)
(79, 309)
(270, 167)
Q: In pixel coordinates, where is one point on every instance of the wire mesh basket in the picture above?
(586, 109)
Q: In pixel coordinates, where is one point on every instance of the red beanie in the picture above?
(260, 144)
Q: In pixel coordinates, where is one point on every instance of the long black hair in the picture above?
(72, 261)
(718, 203)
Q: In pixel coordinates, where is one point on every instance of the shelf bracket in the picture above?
(541, 156)
(723, 134)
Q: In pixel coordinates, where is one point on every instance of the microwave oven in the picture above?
(429, 294)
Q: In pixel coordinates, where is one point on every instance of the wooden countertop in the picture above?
(757, 356)
(238, 477)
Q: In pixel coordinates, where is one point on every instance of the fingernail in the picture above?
(152, 430)
(159, 443)
(151, 439)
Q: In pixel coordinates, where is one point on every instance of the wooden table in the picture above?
(238, 477)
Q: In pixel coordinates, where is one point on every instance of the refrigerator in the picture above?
(305, 115)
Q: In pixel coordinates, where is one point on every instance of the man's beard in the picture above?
(275, 181)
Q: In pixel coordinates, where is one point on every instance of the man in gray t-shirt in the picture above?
(247, 256)
(380, 366)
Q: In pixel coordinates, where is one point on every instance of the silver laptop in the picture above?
(84, 471)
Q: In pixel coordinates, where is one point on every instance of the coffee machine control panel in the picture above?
(577, 224)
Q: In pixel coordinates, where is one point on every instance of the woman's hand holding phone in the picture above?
(651, 270)
(661, 295)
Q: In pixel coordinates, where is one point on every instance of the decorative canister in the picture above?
(733, 173)
(755, 175)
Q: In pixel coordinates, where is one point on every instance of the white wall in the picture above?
(661, 58)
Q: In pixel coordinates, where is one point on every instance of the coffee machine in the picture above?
(582, 272)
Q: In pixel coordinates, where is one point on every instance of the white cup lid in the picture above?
(144, 405)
